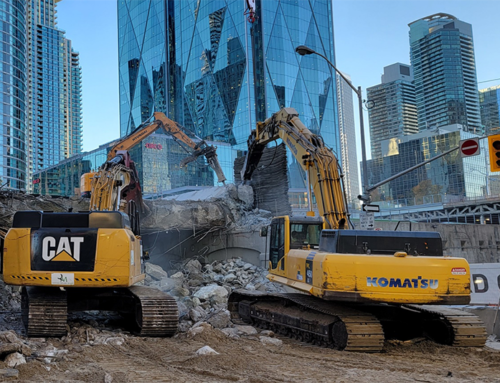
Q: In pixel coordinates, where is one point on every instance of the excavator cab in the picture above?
(289, 233)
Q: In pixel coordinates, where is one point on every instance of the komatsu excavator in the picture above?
(354, 287)
(93, 260)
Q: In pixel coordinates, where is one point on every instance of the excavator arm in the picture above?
(159, 120)
(317, 160)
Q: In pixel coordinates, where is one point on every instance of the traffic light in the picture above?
(494, 147)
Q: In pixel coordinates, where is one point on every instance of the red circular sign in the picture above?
(469, 147)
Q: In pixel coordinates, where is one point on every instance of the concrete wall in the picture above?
(476, 243)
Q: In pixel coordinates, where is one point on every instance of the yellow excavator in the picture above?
(355, 288)
(93, 260)
(118, 155)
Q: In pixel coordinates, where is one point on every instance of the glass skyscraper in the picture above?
(489, 100)
(347, 138)
(393, 112)
(447, 179)
(209, 68)
(13, 93)
(54, 117)
(444, 68)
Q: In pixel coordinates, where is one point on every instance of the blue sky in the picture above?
(369, 34)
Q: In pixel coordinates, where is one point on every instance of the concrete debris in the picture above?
(206, 300)
(245, 330)
(14, 359)
(220, 319)
(231, 332)
(207, 292)
(271, 341)
(108, 378)
(10, 202)
(9, 373)
(156, 272)
(206, 350)
(198, 328)
(268, 333)
(223, 207)
(9, 348)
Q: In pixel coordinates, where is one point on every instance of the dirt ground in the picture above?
(248, 360)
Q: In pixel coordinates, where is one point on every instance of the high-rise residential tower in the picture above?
(13, 87)
(54, 117)
(216, 71)
(347, 138)
(489, 100)
(392, 111)
(444, 69)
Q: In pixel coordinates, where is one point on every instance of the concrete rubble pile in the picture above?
(202, 292)
(228, 207)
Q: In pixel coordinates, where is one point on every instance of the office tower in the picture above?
(215, 72)
(444, 69)
(13, 86)
(489, 100)
(54, 118)
(391, 106)
(347, 138)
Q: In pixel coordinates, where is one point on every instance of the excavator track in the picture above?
(156, 313)
(44, 311)
(310, 319)
(463, 329)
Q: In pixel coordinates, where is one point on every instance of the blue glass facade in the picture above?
(158, 167)
(209, 69)
(54, 78)
(442, 57)
(13, 94)
(489, 100)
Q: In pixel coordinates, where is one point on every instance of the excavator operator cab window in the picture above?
(303, 234)
(277, 246)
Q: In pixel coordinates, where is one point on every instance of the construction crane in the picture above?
(354, 287)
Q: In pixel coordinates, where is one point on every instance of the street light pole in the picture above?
(304, 50)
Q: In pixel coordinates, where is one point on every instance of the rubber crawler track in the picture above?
(468, 330)
(156, 312)
(349, 329)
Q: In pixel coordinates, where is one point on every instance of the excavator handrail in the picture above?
(311, 153)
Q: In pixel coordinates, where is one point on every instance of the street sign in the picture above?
(469, 147)
(366, 221)
(372, 208)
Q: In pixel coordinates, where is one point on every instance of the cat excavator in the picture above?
(354, 288)
(93, 260)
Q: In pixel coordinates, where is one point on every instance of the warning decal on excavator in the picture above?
(309, 268)
(459, 271)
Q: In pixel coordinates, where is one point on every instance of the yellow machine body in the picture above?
(392, 278)
(50, 257)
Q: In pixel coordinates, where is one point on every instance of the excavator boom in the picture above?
(159, 120)
(317, 160)
(101, 180)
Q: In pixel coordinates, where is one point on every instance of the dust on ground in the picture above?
(247, 359)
